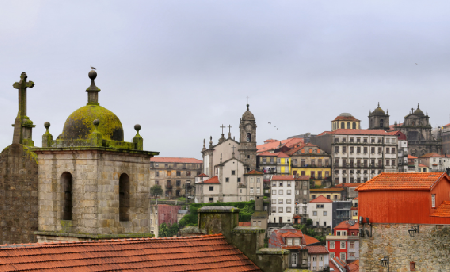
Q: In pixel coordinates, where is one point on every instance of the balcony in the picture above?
(169, 186)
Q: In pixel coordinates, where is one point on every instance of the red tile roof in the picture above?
(214, 179)
(310, 240)
(267, 154)
(302, 178)
(175, 160)
(346, 118)
(422, 165)
(292, 234)
(347, 225)
(321, 199)
(253, 172)
(282, 177)
(353, 266)
(274, 144)
(348, 185)
(202, 175)
(317, 250)
(297, 216)
(245, 224)
(196, 253)
(339, 262)
(443, 210)
(282, 155)
(402, 181)
(411, 157)
(399, 134)
(430, 155)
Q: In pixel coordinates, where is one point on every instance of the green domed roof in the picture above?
(79, 125)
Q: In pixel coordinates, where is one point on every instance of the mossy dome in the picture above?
(80, 124)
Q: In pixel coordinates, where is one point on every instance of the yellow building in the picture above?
(345, 121)
(328, 193)
(310, 160)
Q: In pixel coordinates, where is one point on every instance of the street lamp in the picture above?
(385, 262)
(413, 230)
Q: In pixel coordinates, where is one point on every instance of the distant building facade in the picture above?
(175, 175)
(378, 119)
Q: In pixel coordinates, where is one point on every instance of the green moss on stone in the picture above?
(30, 153)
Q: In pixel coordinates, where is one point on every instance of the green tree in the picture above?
(163, 230)
(156, 190)
(173, 230)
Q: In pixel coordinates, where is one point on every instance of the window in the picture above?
(342, 256)
(365, 150)
(66, 179)
(288, 201)
(258, 180)
(332, 255)
(124, 198)
(379, 150)
(178, 183)
(280, 209)
(342, 245)
(281, 184)
(274, 209)
(344, 149)
(274, 192)
(188, 173)
(178, 173)
(336, 149)
(169, 173)
(352, 245)
(280, 201)
(338, 233)
(157, 173)
(393, 150)
(288, 192)
(331, 245)
(274, 201)
(314, 213)
(289, 241)
(324, 213)
(288, 209)
(211, 200)
(211, 188)
(352, 150)
(387, 162)
(280, 192)
(274, 184)
(372, 150)
(233, 172)
(433, 201)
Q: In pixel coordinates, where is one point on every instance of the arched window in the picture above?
(124, 198)
(348, 125)
(381, 123)
(354, 125)
(342, 125)
(249, 137)
(66, 183)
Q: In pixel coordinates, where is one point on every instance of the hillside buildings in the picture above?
(344, 242)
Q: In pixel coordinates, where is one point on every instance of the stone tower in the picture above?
(378, 119)
(247, 147)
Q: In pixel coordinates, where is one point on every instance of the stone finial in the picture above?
(210, 142)
(248, 107)
(96, 135)
(138, 140)
(96, 123)
(378, 104)
(47, 126)
(92, 90)
(418, 105)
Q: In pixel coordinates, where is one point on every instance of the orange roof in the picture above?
(268, 154)
(310, 240)
(214, 179)
(348, 185)
(175, 160)
(327, 190)
(245, 224)
(345, 118)
(196, 253)
(282, 155)
(359, 132)
(274, 144)
(321, 199)
(411, 157)
(422, 165)
(346, 225)
(353, 266)
(254, 172)
(282, 177)
(430, 155)
(317, 250)
(302, 178)
(443, 210)
(297, 216)
(292, 234)
(402, 181)
(202, 175)
(301, 147)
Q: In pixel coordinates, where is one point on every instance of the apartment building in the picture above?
(174, 174)
(282, 199)
(359, 155)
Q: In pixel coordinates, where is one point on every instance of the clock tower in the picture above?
(247, 147)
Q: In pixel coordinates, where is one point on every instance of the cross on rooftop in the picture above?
(222, 126)
(229, 128)
(22, 86)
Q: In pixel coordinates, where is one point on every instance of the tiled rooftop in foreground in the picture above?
(197, 253)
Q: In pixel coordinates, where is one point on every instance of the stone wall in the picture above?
(95, 191)
(18, 195)
(429, 249)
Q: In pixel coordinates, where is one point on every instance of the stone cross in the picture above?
(22, 86)
(233, 148)
(229, 128)
(222, 126)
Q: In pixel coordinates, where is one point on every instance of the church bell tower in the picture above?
(247, 148)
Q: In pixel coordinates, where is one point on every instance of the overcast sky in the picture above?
(183, 68)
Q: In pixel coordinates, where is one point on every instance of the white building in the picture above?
(282, 198)
(321, 212)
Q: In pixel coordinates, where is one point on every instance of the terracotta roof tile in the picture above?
(175, 160)
(274, 144)
(321, 199)
(214, 179)
(353, 266)
(282, 155)
(245, 224)
(403, 181)
(443, 210)
(267, 154)
(292, 234)
(198, 253)
(302, 178)
(317, 249)
(253, 172)
(310, 240)
(411, 157)
(282, 177)
(430, 155)
(347, 225)
(202, 175)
